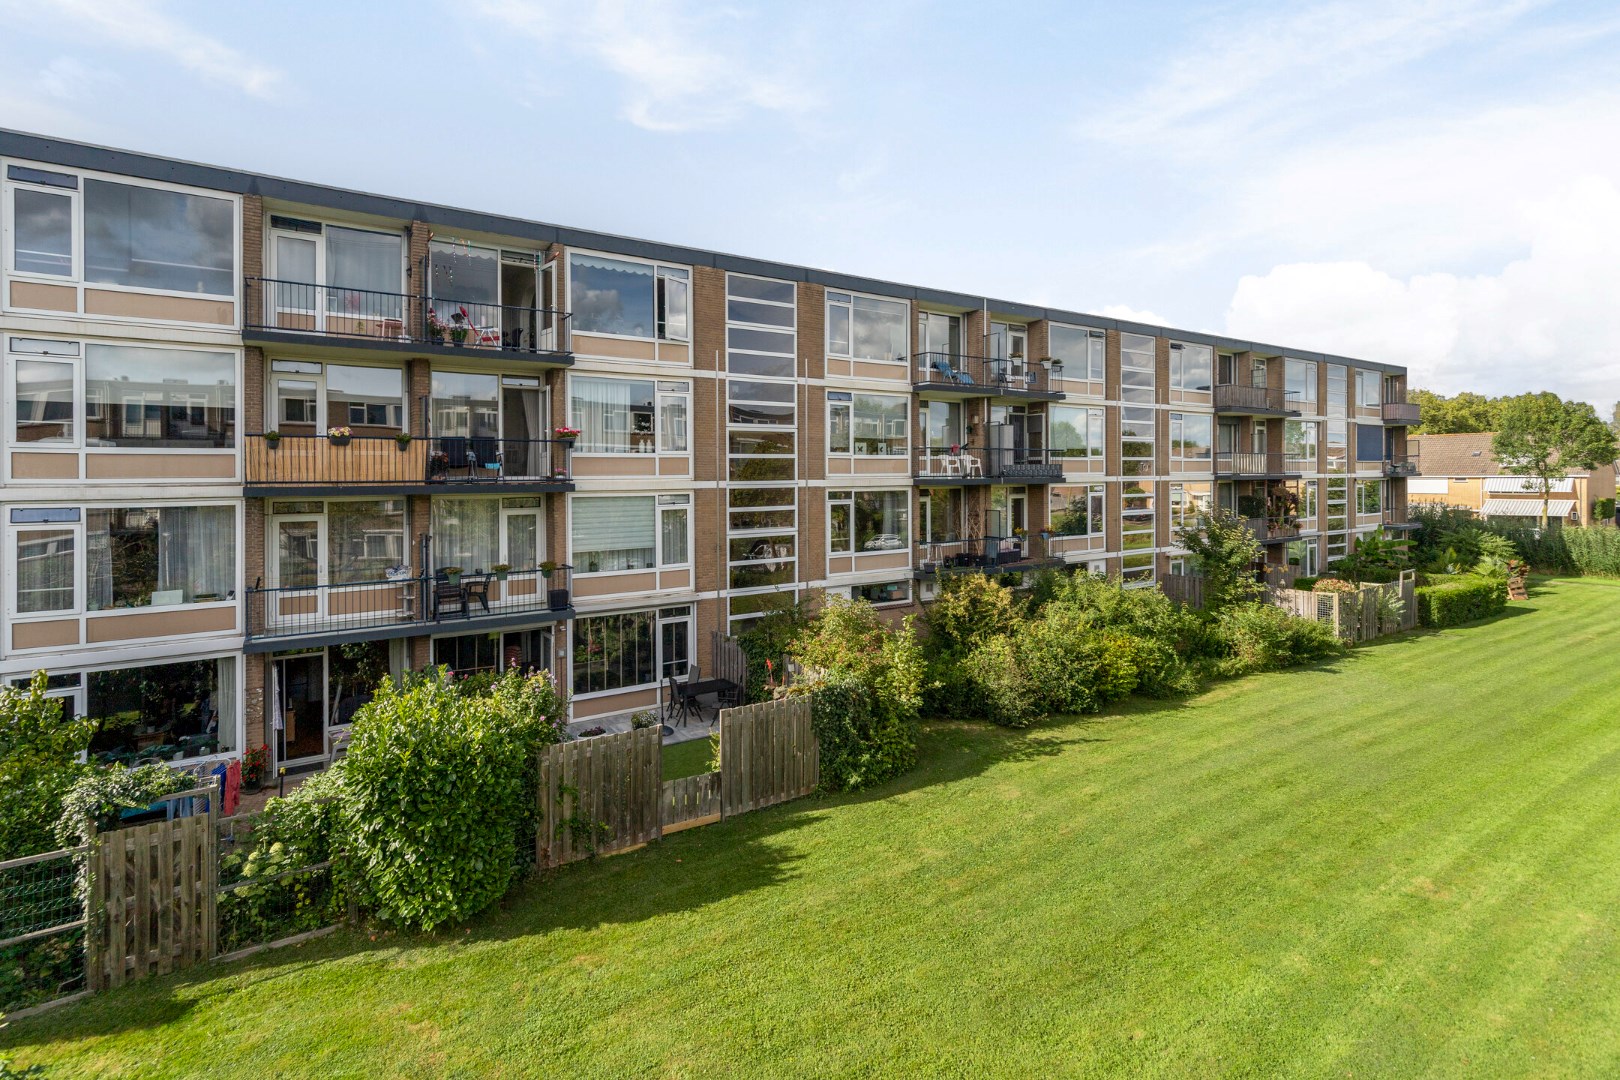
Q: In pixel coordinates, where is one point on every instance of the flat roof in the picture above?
(72, 154)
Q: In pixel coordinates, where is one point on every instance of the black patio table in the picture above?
(693, 691)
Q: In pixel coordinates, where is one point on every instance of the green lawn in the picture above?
(687, 758)
(1407, 863)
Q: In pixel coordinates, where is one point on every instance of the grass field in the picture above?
(687, 758)
(1406, 863)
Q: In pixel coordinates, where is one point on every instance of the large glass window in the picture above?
(149, 238)
(468, 654)
(164, 711)
(1300, 384)
(1369, 389)
(44, 403)
(630, 299)
(1191, 437)
(159, 398)
(1338, 445)
(159, 556)
(1077, 433)
(1136, 440)
(617, 416)
(1188, 502)
(1299, 443)
(868, 521)
(760, 327)
(1191, 366)
(761, 536)
(1369, 496)
(866, 425)
(865, 327)
(364, 538)
(1081, 512)
(614, 652)
(370, 401)
(362, 260)
(463, 274)
(1136, 371)
(42, 232)
(630, 532)
(467, 533)
(1338, 399)
(1080, 350)
(46, 567)
(466, 405)
(942, 511)
(1137, 531)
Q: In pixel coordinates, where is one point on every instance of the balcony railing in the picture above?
(332, 311)
(1255, 464)
(378, 461)
(1400, 466)
(1235, 397)
(986, 463)
(405, 603)
(985, 554)
(1272, 530)
(986, 375)
(1402, 412)
(1397, 518)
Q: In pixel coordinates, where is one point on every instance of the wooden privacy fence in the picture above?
(1187, 589)
(768, 754)
(152, 891)
(1354, 616)
(607, 794)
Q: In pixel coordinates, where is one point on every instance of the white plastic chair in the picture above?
(974, 466)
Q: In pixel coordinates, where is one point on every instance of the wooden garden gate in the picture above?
(152, 890)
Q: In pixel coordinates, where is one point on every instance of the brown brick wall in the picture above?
(253, 257)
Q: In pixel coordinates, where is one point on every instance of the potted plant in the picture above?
(339, 436)
(253, 765)
(500, 570)
(403, 441)
(272, 439)
(452, 574)
(437, 327)
(566, 435)
(556, 599)
(460, 325)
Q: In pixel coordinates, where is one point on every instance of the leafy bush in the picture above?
(1594, 550)
(767, 643)
(1603, 509)
(1261, 637)
(1225, 552)
(1332, 585)
(99, 797)
(848, 646)
(436, 790)
(272, 900)
(1460, 600)
(970, 610)
(39, 763)
(993, 685)
(1305, 584)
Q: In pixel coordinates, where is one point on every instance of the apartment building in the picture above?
(266, 441)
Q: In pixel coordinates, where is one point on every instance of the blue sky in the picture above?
(1434, 184)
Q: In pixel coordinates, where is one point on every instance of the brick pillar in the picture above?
(418, 233)
(255, 704)
(253, 259)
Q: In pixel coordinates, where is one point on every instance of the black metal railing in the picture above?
(334, 311)
(990, 375)
(409, 600)
(502, 327)
(983, 553)
(1238, 398)
(1402, 412)
(1270, 530)
(985, 463)
(1400, 466)
(279, 459)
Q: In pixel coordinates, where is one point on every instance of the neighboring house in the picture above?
(1460, 470)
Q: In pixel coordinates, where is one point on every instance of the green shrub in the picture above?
(1261, 637)
(995, 686)
(1461, 599)
(1603, 510)
(99, 797)
(1304, 584)
(766, 644)
(969, 610)
(1593, 550)
(848, 645)
(296, 831)
(39, 763)
(434, 789)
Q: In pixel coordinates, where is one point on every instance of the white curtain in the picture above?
(466, 533)
(197, 550)
(225, 703)
(606, 412)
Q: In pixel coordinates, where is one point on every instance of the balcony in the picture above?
(387, 465)
(938, 466)
(1256, 465)
(984, 555)
(1401, 466)
(403, 607)
(1255, 400)
(1401, 413)
(1272, 530)
(981, 376)
(1396, 518)
(293, 312)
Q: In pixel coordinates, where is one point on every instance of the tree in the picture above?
(1226, 552)
(1465, 412)
(1542, 436)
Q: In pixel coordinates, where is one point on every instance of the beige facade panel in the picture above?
(589, 585)
(608, 704)
(889, 560)
(26, 465)
(169, 622)
(150, 306)
(159, 466)
(587, 466)
(674, 579)
(614, 348)
(53, 634)
(34, 296)
(674, 466)
(900, 373)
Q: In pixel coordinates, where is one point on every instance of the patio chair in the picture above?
(448, 598)
(484, 453)
(456, 449)
(477, 589)
(972, 466)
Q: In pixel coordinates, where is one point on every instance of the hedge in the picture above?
(1461, 599)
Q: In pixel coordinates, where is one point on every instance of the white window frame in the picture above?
(75, 194)
(833, 494)
(14, 534)
(659, 504)
(657, 277)
(834, 405)
(1178, 461)
(1096, 359)
(834, 299)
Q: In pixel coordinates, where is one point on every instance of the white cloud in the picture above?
(1547, 320)
(1130, 314)
(142, 25)
(684, 68)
